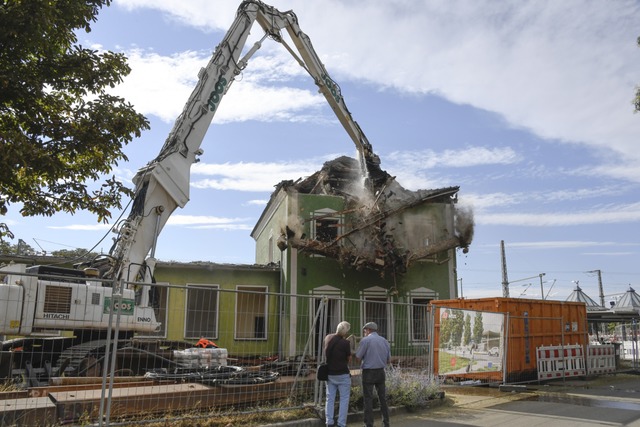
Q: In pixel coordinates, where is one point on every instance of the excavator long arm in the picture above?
(163, 184)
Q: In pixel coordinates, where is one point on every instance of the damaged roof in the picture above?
(372, 237)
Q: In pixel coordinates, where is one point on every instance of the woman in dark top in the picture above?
(337, 351)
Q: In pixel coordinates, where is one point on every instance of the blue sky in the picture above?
(526, 105)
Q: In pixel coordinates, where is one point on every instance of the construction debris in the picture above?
(383, 226)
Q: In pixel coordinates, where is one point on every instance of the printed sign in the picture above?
(125, 306)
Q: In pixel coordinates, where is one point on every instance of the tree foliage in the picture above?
(466, 338)
(61, 133)
(478, 327)
(79, 253)
(20, 248)
(451, 327)
(23, 248)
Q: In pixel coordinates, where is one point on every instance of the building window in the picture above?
(327, 319)
(326, 224)
(420, 314)
(202, 311)
(419, 310)
(375, 308)
(251, 313)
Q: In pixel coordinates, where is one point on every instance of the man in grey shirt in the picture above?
(374, 352)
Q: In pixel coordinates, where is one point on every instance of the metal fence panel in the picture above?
(263, 357)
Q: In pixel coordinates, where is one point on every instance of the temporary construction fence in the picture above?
(265, 348)
(494, 340)
(484, 347)
(601, 359)
(572, 361)
(561, 362)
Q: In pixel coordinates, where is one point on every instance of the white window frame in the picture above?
(375, 294)
(243, 290)
(414, 294)
(334, 296)
(216, 311)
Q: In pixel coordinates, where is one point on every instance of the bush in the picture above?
(405, 387)
(410, 388)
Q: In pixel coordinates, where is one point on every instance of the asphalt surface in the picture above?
(612, 400)
(608, 400)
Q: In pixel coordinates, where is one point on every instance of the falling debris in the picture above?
(383, 226)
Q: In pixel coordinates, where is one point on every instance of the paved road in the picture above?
(605, 401)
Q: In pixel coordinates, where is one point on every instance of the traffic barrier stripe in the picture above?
(569, 361)
(601, 359)
(560, 361)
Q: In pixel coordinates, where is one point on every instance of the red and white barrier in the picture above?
(601, 359)
(560, 361)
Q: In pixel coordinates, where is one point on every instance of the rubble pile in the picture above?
(375, 234)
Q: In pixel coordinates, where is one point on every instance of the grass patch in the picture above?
(448, 362)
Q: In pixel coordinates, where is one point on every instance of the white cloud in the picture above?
(161, 85)
(556, 244)
(250, 176)
(196, 13)
(608, 215)
(260, 202)
(211, 222)
(613, 254)
(484, 202)
(81, 227)
(534, 62)
(467, 157)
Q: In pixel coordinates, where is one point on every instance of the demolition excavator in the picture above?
(88, 300)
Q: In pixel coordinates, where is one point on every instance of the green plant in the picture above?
(405, 387)
(410, 388)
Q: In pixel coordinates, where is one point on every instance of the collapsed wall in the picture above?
(386, 227)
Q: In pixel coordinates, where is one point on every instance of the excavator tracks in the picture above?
(82, 360)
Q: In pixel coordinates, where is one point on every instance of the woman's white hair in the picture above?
(343, 328)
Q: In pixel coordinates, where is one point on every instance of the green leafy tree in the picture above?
(21, 248)
(466, 339)
(457, 326)
(5, 247)
(445, 328)
(78, 253)
(478, 327)
(61, 133)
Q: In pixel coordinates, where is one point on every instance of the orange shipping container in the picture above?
(528, 324)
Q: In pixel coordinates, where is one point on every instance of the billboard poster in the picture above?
(470, 341)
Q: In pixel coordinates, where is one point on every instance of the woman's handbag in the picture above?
(323, 372)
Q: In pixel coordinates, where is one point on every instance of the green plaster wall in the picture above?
(313, 272)
(228, 278)
(274, 227)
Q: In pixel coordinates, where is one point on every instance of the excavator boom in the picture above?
(163, 184)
